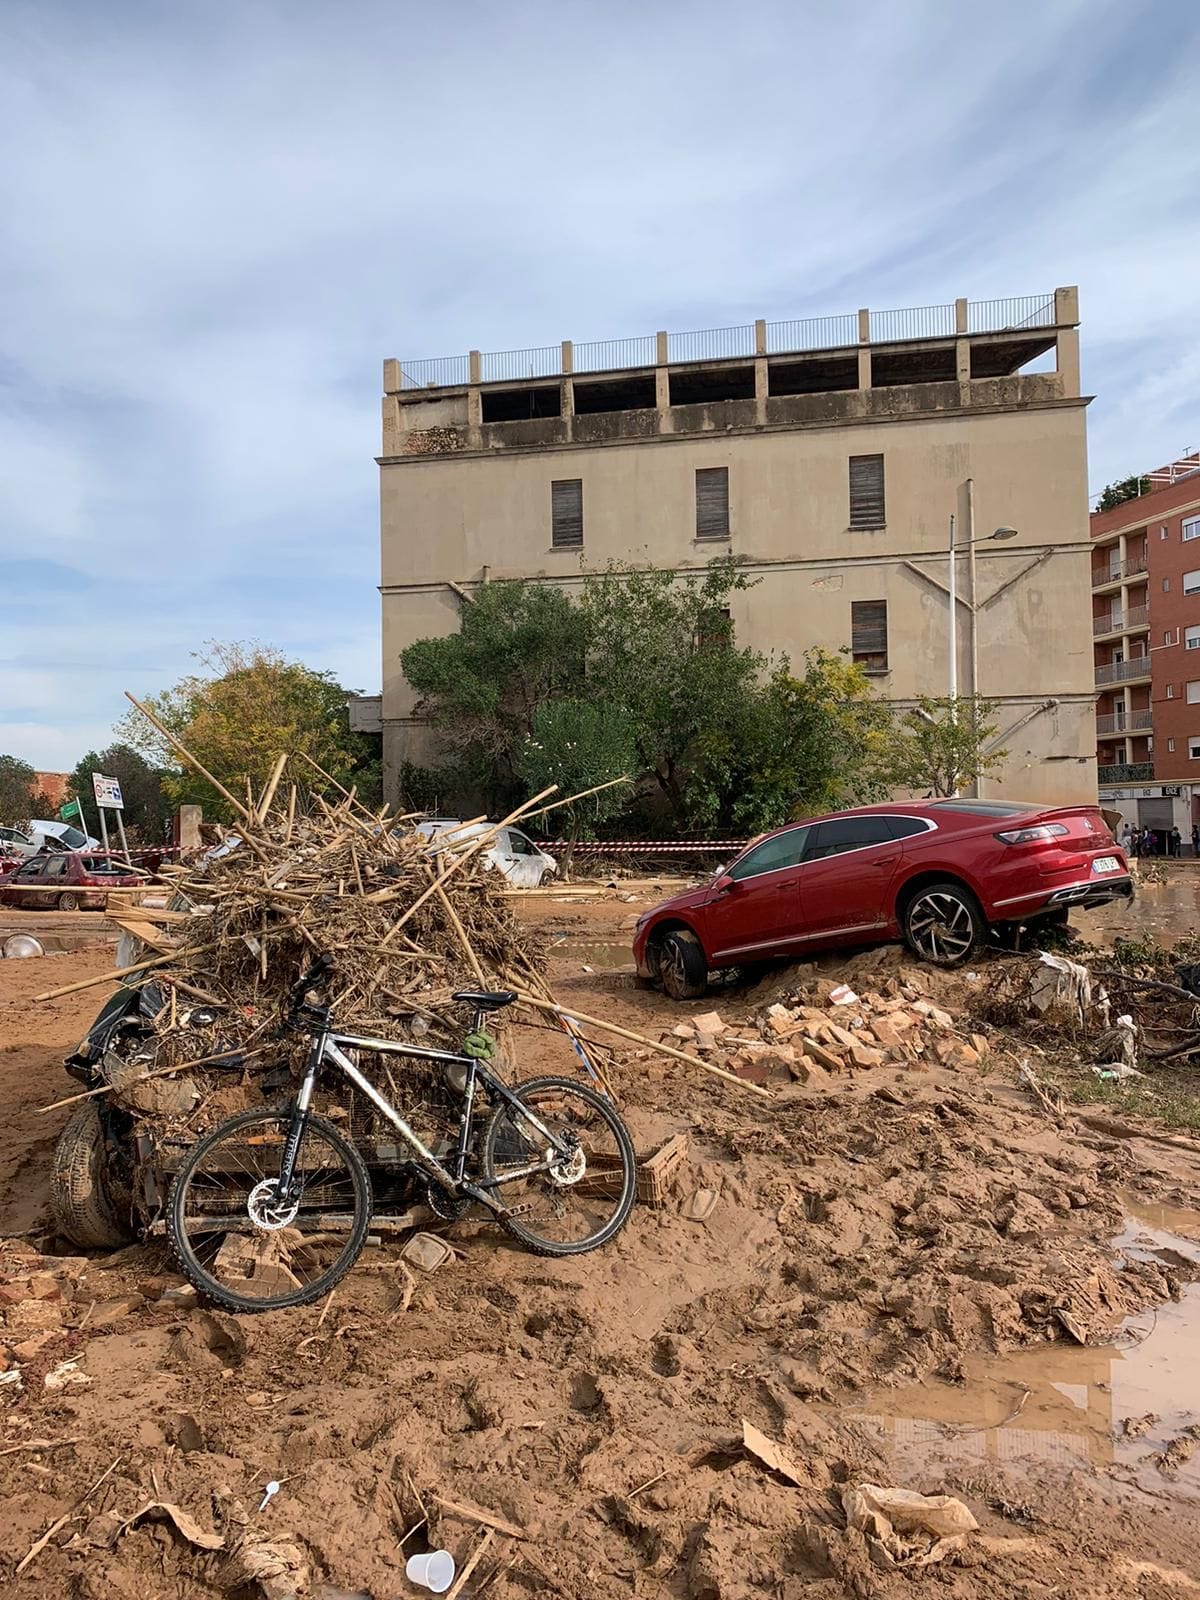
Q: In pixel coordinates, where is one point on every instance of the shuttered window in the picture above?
(868, 634)
(866, 492)
(566, 513)
(712, 503)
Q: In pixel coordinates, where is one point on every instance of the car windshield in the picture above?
(71, 838)
(99, 864)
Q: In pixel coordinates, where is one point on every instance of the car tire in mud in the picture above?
(68, 902)
(943, 923)
(682, 966)
(91, 1207)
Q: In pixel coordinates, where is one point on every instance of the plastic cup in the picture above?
(434, 1570)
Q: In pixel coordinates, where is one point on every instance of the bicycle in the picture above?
(261, 1201)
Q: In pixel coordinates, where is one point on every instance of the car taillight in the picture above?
(1044, 830)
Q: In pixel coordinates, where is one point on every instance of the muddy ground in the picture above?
(895, 1264)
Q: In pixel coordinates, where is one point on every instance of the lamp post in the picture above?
(998, 533)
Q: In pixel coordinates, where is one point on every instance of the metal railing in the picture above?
(1137, 617)
(918, 322)
(1004, 316)
(1123, 671)
(612, 355)
(723, 344)
(509, 366)
(711, 344)
(1125, 722)
(441, 372)
(1127, 772)
(1116, 570)
(1110, 624)
(812, 333)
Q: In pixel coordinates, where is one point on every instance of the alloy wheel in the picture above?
(941, 927)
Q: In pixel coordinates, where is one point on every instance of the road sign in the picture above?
(108, 792)
(70, 811)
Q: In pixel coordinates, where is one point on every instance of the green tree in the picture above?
(519, 645)
(146, 806)
(248, 703)
(18, 791)
(1116, 494)
(661, 646)
(578, 744)
(940, 745)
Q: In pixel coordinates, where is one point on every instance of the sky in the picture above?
(219, 219)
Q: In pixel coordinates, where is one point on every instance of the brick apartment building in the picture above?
(1145, 623)
(825, 456)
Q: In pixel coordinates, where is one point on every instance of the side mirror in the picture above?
(724, 883)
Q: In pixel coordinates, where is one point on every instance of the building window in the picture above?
(866, 492)
(1191, 582)
(1194, 749)
(1171, 745)
(1170, 691)
(712, 503)
(1193, 692)
(1166, 585)
(1162, 532)
(1167, 636)
(868, 634)
(1191, 529)
(1191, 638)
(566, 514)
(715, 630)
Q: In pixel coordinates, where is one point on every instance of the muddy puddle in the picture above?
(595, 955)
(1117, 1407)
(1166, 911)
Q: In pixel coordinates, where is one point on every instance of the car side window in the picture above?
(784, 850)
(56, 867)
(906, 827)
(31, 869)
(519, 845)
(847, 833)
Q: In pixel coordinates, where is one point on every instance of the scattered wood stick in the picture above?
(472, 1562)
(582, 795)
(105, 977)
(470, 1513)
(156, 1072)
(37, 1548)
(38, 1444)
(456, 923)
(268, 794)
(572, 1015)
(191, 760)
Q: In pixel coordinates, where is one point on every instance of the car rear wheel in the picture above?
(68, 902)
(91, 1204)
(682, 968)
(943, 923)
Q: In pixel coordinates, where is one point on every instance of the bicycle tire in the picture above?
(502, 1123)
(182, 1237)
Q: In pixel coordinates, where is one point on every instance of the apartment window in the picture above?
(1191, 582)
(1191, 529)
(712, 503)
(1191, 638)
(715, 630)
(1170, 691)
(866, 492)
(1166, 585)
(1194, 749)
(1167, 636)
(868, 634)
(1193, 692)
(1162, 532)
(566, 513)
(1171, 746)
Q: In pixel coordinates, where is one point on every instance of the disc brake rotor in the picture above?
(265, 1210)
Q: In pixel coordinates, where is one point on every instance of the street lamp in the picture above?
(998, 533)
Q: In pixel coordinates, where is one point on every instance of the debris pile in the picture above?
(829, 1029)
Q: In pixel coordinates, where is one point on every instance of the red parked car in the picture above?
(937, 873)
(64, 880)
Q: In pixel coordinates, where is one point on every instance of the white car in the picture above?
(511, 852)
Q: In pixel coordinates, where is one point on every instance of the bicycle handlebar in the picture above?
(319, 970)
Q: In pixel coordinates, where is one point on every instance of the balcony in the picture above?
(1127, 772)
(1124, 671)
(1131, 567)
(1125, 722)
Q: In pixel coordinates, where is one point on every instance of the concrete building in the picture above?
(1145, 621)
(827, 456)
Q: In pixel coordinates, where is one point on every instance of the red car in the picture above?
(66, 881)
(937, 873)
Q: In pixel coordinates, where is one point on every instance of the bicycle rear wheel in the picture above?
(239, 1246)
(582, 1202)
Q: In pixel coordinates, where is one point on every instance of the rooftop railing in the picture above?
(793, 337)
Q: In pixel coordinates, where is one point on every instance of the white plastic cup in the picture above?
(434, 1570)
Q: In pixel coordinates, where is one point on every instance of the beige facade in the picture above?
(466, 499)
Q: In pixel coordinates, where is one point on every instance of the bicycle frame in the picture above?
(326, 1046)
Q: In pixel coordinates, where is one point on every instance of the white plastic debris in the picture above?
(271, 1490)
(843, 995)
(905, 1529)
(433, 1569)
(21, 946)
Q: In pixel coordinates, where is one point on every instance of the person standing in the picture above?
(1127, 838)
(1176, 842)
(1196, 839)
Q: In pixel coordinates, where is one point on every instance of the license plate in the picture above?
(1105, 864)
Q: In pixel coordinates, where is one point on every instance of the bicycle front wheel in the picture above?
(244, 1248)
(583, 1200)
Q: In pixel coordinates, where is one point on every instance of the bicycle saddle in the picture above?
(485, 999)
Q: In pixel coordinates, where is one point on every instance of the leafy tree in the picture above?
(247, 704)
(1116, 494)
(661, 646)
(578, 744)
(18, 792)
(938, 746)
(146, 806)
(518, 645)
